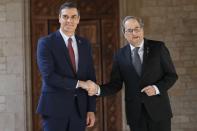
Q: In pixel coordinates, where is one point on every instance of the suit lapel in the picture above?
(80, 53)
(145, 56)
(128, 55)
(63, 47)
(128, 58)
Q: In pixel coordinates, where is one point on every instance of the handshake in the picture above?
(91, 87)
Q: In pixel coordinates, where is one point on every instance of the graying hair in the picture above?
(139, 20)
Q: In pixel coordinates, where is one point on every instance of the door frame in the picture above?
(27, 58)
(27, 70)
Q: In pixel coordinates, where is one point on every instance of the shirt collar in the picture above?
(65, 37)
(141, 46)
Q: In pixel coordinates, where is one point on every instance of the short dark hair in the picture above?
(139, 20)
(68, 5)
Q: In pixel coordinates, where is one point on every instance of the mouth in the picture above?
(136, 37)
(70, 25)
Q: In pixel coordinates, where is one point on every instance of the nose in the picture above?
(70, 19)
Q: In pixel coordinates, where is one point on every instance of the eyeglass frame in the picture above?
(131, 31)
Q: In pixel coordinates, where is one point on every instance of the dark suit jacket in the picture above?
(59, 81)
(157, 69)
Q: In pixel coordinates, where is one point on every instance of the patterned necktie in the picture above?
(136, 61)
(71, 54)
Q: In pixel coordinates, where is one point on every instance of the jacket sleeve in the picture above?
(116, 81)
(46, 66)
(170, 75)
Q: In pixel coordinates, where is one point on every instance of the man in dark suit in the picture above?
(146, 68)
(65, 62)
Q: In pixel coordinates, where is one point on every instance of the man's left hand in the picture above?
(149, 90)
(90, 119)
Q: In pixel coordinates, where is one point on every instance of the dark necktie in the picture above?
(71, 54)
(136, 61)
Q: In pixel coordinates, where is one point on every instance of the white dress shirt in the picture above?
(140, 51)
(74, 45)
(75, 48)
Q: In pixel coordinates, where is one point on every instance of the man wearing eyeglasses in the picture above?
(146, 68)
(65, 62)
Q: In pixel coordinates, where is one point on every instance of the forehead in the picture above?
(69, 11)
(132, 23)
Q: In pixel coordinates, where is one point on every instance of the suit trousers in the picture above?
(145, 123)
(72, 122)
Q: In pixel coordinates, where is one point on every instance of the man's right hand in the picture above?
(89, 86)
(92, 88)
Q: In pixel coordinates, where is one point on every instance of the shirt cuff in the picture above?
(98, 90)
(77, 84)
(156, 89)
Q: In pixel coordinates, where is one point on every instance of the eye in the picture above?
(135, 30)
(129, 30)
(74, 17)
(65, 17)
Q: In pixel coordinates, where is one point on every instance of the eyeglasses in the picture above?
(135, 30)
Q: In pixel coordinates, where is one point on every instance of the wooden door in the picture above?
(101, 28)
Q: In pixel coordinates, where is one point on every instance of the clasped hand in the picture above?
(92, 88)
(149, 90)
(89, 86)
